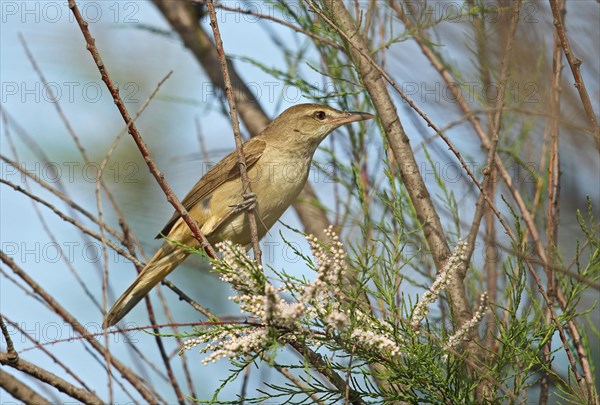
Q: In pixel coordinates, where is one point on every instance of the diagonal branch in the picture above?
(114, 91)
(136, 381)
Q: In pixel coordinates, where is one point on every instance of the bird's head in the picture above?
(311, 123)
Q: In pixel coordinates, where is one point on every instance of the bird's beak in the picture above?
(352, 116)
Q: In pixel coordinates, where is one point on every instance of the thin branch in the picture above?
(252, 214)
(325, 369)
(70, 220)
(73, 134)
(47, 353)
(159, 342)
(72, 204)
(147, 392)
(553, 189)
(268, 17)
(505, 175)
(184, 297)
(575, 65)
(181, 210)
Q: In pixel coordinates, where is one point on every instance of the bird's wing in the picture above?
(226, 169)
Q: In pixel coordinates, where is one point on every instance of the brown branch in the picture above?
(10, 348)
(268, 17)
(139, 268)
(145, 391)
(47, 353)
(455, 88)
(558, 13)
(485, 392)
(62, 196)
(553, 187)
(325, 369)
(51, 379)
(179, 341)
(505, 175)
(184, 297)
(374, 80)
(391, 123)
(114, 91)
(69, 219)
(43, 221)
(73, 134)
(20, 391)
(252, 214)
(495, 130)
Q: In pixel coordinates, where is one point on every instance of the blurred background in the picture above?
(187, 129)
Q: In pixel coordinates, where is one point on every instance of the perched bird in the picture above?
(278, 162)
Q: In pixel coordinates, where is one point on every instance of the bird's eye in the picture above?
(320, 115)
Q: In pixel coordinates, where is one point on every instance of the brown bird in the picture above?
(278, 162)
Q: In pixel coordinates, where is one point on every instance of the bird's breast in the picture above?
(276, 179)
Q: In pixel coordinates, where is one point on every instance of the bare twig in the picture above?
(91, 46)
(157, 338)
(20, 390)
(184, 297)
(268, 17)
(74, 136)
(505, 175)
(553, 188)
(485, 392)
(70, 220)
(252, 214)
(10, 348)
(48, 353)
(147, 392)
(28, 175)
(558, 13)
(42, 220)
(51, 379)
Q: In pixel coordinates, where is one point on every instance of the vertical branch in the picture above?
(252, 214)
(504, 173)
(553, 188)
(558, 13)
(375, 83)
(484, 391)
(185, 22)
(490, 263)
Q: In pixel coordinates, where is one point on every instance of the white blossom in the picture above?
(377, 341)
(462, 334)
(439, 284)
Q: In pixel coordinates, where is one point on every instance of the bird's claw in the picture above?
(248, 203)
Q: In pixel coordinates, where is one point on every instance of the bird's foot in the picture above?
(248, 203)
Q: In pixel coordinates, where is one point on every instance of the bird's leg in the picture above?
(248, 203)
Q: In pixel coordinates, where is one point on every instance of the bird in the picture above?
(278, 162)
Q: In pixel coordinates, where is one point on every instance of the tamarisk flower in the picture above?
(439, 284)
(279, 319)
(462, 334)
(376, 341)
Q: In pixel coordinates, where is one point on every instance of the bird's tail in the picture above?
(162, 263)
